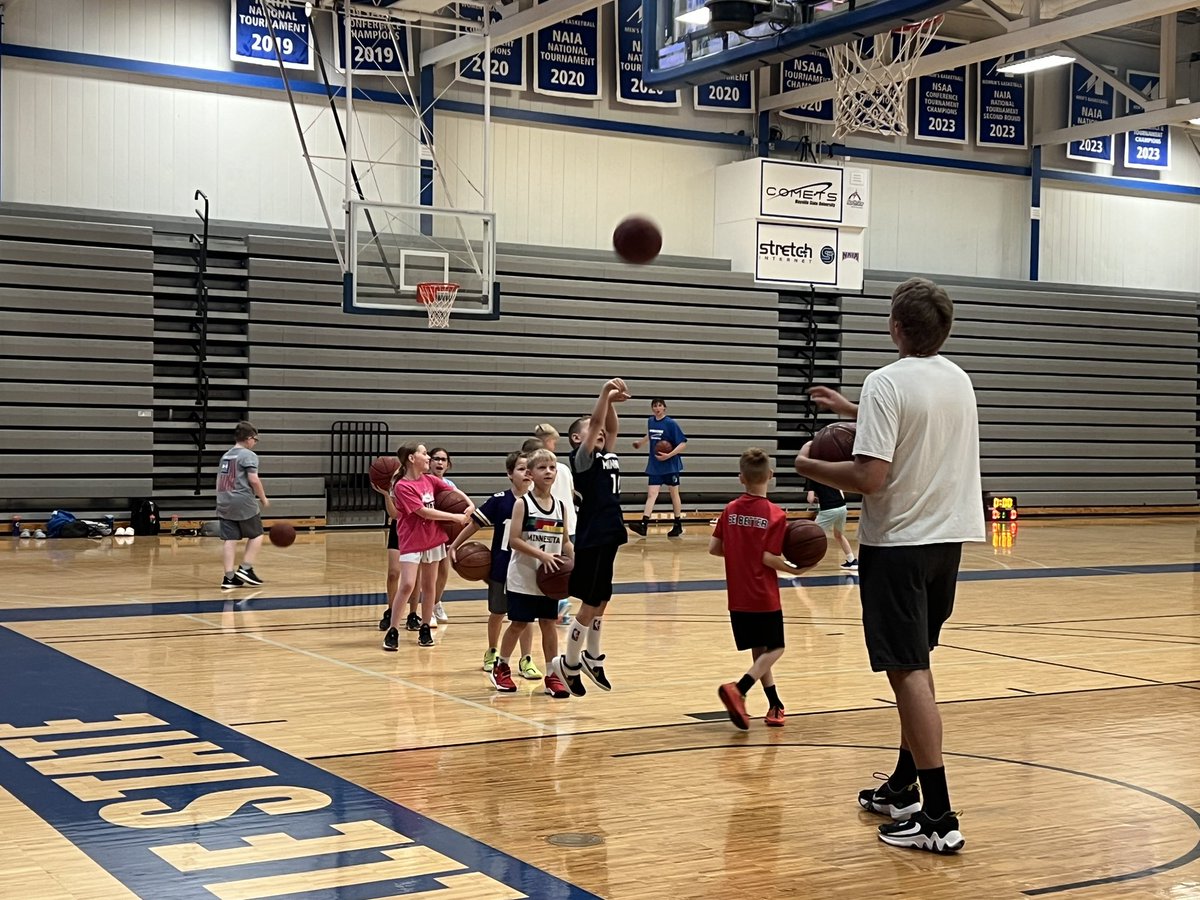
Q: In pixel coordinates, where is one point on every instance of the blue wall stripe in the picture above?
(323, 601)
(1129, 184)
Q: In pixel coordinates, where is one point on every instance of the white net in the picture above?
(438, 298)
(871, 79)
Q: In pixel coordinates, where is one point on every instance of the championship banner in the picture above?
(734, 95)
(1146, 148)
(567, 58)
(508, 60)
(380, 46)
(941, 107)
(1091, 100)
(251, 41)
(1003, 120)
(801, 72)
(630, 86)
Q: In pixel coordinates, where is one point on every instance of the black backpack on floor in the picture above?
(144, 517)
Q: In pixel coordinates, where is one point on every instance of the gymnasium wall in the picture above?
(93, 137)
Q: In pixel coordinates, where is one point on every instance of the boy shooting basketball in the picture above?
(600, 533)
(916, 463)
(749, 535)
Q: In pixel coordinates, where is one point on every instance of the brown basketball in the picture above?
(473, 561)
(283, 534)
(451, 502)
(664, 447)
(637, 240)
(834, 443)
(382, 470)
(556, 585)
(805, 544)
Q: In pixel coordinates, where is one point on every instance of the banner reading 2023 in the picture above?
(1146, 148)
(262, 41)
(508, 60)
(942, 100)
(1091, 101)
(567, 58)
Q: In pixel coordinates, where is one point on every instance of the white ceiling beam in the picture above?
(994, 12)
(1120, 86)
(1172, 115)
(1046, 33)
(1168, 49)
(517, 25)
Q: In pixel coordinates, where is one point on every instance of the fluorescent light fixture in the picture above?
(701, 16)
(1035, 63)
(1195, 121)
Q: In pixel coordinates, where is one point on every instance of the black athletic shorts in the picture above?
(497, 598)
(757, 629)
(393, 540)
(592, 577)
(530, 607)
(907, 594)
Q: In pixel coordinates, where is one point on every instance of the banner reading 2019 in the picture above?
(567, 58)
(630, 87)
(263, 41)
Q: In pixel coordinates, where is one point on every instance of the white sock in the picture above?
(593, 639)
(576, 635)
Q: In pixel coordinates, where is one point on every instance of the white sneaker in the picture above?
(439, 612)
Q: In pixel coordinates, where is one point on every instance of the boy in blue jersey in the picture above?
(495, 513)
(599, 534)
(662, 468)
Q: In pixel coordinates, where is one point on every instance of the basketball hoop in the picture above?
(871, 78)
(438, 298)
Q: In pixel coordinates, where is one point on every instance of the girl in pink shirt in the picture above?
(420, 537)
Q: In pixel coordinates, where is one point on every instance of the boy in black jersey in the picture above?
(600, 531)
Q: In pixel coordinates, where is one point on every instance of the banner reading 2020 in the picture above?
(811, 68)
(630, 86)
(733, 94)
(567, 58)
(251, 39)
(508, 60)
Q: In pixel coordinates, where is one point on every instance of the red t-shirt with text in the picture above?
(747, 527)
(415, 533)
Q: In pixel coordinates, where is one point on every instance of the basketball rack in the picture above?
(871, 77)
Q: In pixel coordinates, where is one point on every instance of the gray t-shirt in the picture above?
(235, 497)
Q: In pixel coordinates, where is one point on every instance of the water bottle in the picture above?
(174, 524)
(16, 526)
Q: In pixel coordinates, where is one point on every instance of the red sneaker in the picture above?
(501, 676)
(735, 703)
(555, 687)
(775, 717)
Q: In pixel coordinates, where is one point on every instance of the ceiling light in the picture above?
(1035, 63)
(701, 16)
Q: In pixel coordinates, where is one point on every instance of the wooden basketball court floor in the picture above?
(162, 740)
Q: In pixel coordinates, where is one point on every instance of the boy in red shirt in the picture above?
(749, 535)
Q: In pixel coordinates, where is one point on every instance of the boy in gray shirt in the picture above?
(239, 495)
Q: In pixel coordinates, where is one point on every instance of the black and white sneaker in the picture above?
(923, 833)
(850, 565)
(887, 802)
(570, 676)
(413, 622)
(385, 621)
(248, 575)
(391, 640)
(229, 582)
(593, 667)
(425, 638)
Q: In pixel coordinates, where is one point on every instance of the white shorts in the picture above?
(830, 519)
(437, 554)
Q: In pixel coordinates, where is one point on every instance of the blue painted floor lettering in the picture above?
(176, 805)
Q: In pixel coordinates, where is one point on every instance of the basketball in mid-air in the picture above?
(382, 470)
(283, 534)
(805, 544)
(834, 442)
(637, 240)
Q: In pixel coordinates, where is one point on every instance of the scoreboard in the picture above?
(1000, 507)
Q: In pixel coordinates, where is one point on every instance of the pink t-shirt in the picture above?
(415, 533)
